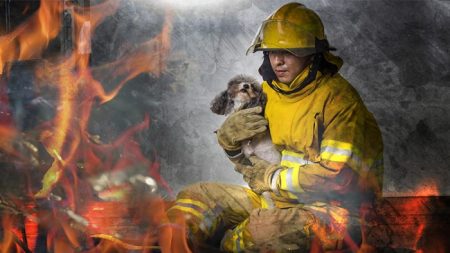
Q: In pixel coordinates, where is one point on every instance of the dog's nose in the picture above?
(246, 86)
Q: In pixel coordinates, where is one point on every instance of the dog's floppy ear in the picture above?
(220, 103)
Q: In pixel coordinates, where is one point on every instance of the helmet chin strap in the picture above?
(314, 67)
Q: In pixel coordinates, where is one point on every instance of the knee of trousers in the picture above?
(197, 190)
(280, 228)
(191, 201)
(195, 208)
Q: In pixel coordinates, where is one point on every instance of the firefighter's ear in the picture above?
(221, 103)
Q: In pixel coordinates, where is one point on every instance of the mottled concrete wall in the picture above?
(396, 55)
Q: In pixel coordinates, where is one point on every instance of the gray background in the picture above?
(396, 54)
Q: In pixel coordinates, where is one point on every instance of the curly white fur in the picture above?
(244, 92)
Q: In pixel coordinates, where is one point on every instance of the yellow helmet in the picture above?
(292, 27)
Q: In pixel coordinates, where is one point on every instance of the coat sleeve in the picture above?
(344, 156)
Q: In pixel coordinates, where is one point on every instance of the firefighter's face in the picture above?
(286, 65)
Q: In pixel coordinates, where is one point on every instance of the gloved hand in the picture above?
(239, 126)
(259, 174)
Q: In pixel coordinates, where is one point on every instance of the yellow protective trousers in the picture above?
(236, 219)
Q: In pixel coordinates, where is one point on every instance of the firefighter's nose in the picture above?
(246, 86)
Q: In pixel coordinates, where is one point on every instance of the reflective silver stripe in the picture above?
(274, 181)
(294, 159)
(342, 155)
(337, 151)
(289, 180)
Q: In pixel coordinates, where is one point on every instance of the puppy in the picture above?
(245, 92)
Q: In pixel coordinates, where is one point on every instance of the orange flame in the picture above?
(418, 206)
(67, 140)
(78, 91)
(427, 188)
(409, 221)
(7, 245)
(29, 39)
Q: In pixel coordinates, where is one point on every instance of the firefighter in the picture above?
(331, 150)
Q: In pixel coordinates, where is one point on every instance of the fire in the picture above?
(427, 188)
(31, 38)
(408, 222)
(75, 217)
(419, 205)
(77, 93)
(7, 245)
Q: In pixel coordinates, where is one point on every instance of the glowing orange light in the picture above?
(427, 188)
(67, 141)
(29, 39)
(7, 245)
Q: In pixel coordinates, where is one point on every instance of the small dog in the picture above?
(245, 92)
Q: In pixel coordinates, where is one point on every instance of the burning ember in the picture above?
(94, 196)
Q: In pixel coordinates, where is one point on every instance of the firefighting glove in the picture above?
(240, 126)
(259, 174)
